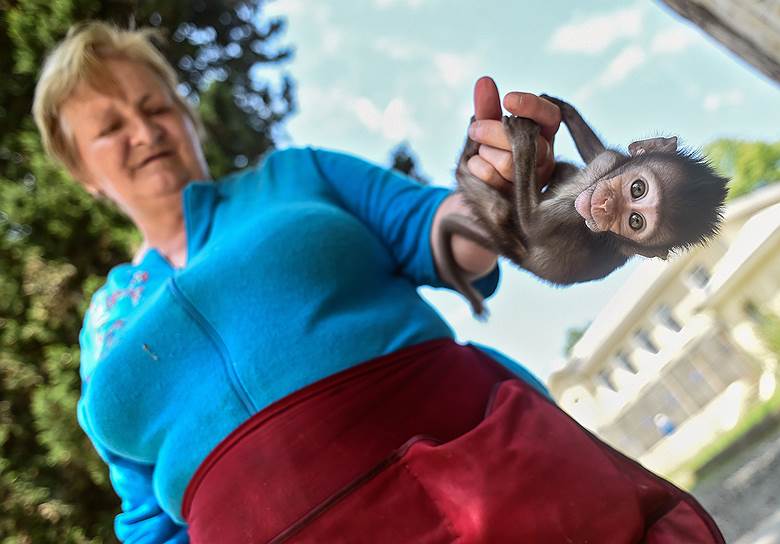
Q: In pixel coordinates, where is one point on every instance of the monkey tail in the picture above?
(464, 226)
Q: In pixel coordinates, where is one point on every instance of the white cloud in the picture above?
(594, 34)
(331, 35)
(343, 110)
(368, 113)
(673, 40)
(332, 38)
(284, 7)
(394, 122)
(715, 101)
(454, 69)
(397, 49)
(626, 62)
(384, 4)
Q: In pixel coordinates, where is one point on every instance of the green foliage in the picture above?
(57, 242)
(770, 332)
(749, 164)
(573, 336)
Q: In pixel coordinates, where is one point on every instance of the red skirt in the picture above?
(436, 443)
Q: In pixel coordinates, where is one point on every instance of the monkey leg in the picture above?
(522, 134)
(586, 141)
(464, 226)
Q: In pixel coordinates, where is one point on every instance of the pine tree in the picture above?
(57, 242)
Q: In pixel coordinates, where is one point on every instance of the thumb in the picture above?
(487, 103)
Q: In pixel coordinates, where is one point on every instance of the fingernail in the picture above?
(473, 130)
(512, 100)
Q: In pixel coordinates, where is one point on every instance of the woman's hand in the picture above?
(494, 164)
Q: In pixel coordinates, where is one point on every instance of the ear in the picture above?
(665, 145)
(84, 180)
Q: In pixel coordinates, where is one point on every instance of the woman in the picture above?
(264, 369)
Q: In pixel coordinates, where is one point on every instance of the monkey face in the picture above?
(626, 204)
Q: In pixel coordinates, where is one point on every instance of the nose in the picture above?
(608, 205)
(145, 131)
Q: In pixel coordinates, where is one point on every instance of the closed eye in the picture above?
(111, 128)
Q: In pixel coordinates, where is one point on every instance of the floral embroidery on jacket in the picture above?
(109, 309)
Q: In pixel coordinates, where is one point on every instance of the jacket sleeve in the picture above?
(396, 208)
(142, 520)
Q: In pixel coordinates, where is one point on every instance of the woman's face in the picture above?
(137, 146)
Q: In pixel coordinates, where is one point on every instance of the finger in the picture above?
(485, 171)
(499, 159)
(490, 132)
(545, 113)
(487, 102)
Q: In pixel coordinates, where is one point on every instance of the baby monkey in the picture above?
(588, 221)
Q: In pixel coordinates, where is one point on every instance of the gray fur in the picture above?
(542, 232)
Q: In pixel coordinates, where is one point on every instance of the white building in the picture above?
(674, 358)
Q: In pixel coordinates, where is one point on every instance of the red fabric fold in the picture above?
(436, 443)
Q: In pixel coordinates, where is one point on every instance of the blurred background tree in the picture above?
(750, 165)
(404, 159)
(57, 242)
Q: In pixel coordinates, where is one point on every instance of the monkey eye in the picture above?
(636, 221)
(638, 188)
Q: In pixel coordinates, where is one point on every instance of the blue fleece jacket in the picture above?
(297, 269)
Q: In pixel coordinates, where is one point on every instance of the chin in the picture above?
(160, 183)
(591, 224)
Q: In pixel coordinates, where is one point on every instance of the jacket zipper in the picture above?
(208, 329)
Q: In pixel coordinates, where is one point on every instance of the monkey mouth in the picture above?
(596, 205)
(583, 205)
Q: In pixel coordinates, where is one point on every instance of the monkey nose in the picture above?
(605, 205)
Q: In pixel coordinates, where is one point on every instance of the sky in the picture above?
(372, 73)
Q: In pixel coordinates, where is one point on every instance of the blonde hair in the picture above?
(78, 58)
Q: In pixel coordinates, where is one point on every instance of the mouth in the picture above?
(151, 158)
(583, 205)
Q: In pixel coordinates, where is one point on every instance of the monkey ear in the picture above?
(666, 145)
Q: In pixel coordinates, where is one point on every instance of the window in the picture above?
(699, 276)
(693, 384)
(625, 362)
(666, 318)
(644, 340)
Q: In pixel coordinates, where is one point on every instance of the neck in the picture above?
(162, 227)
(559, 208)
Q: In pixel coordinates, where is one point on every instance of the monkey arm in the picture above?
(586, 141)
